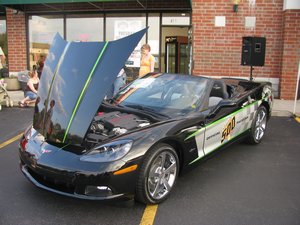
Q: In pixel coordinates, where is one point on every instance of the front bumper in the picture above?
(42, 183)
(63, 173)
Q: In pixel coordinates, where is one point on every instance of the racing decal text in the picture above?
(213, 135)
(228, 128)
(242, 120)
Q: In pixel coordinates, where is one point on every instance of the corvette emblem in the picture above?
(46, 151)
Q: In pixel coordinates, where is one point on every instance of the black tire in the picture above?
(258, 126)
(154, 183)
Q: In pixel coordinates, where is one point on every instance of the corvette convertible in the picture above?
(134, 145)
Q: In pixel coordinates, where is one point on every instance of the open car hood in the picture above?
(74, 82)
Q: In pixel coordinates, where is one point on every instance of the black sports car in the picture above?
(135, 144)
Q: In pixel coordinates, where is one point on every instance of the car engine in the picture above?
(108, 125)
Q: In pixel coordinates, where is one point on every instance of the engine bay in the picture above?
(107, 125)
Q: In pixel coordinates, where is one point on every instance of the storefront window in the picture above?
(90, 27)
(153, 37)
(84, 27)
(122, 25)
(41, 32)
(3, 44)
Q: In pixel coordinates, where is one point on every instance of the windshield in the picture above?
(166, 94)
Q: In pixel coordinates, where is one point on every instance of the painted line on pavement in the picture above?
(149, 215)
(2, 145)
(297, 119)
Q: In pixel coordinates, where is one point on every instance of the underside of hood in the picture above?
(74, 82)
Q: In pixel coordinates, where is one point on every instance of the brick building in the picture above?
(213, 31)
(217, 49)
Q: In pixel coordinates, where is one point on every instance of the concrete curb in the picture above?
(282, 113)
(16, 104)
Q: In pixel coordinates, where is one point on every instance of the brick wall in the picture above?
(291, 53)
(16, 38)
(217, 50)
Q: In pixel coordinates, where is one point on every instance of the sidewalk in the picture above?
(285, 108)
(280, 107)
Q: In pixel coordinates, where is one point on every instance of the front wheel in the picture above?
(158, 174)
(258, 127)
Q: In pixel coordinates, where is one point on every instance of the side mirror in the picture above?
(222, 104)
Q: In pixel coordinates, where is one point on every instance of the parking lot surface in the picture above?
(242, 184)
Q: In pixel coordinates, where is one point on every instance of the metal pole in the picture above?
(297, 87)
(251, 69)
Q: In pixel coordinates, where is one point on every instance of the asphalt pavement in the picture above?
(242, 184)
(13, 121)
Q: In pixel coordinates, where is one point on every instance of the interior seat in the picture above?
(218, 93)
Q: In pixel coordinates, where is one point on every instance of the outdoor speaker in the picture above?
(253, 51)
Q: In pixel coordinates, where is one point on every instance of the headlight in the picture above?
(28, 132)
(108, 152)
(27, 135)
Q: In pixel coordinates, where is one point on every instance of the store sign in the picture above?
(176, 20)
(123, 28)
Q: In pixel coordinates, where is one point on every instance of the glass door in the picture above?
(177, 54)
(184, 58)
(171, 57)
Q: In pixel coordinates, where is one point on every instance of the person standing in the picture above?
(147, 61)
(40, 65)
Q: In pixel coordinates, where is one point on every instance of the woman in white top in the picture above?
(31, 89)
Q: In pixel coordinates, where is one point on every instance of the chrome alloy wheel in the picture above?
(260, 125)
(162, 175)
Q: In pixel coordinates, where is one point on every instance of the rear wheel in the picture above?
(258, 127)
(158, 174)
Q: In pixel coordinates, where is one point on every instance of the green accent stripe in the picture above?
(195, 160)
(194, 134)
(224, 118)
(83, 90)
(64, 146)
(234, 113)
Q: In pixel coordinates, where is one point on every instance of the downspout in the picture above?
(297, 88)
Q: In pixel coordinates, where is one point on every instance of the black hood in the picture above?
(74, 82)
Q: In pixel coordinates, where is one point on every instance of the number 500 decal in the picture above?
(228, 129)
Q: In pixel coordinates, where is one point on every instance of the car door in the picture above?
(235, 120)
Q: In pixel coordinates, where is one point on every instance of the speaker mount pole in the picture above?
(251, 69)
